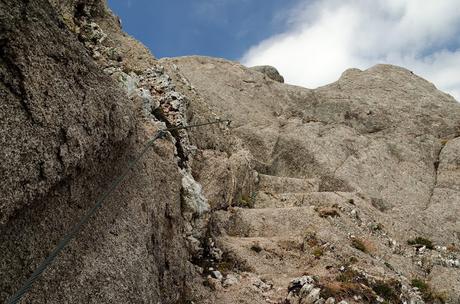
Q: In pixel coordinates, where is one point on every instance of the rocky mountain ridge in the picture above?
(346, 193)
(367, 173)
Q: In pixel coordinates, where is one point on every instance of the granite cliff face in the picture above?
(68, 128)
(349, 192)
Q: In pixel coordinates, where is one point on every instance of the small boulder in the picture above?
(217, 275)
(312, 297)
(214, 284)
(230, 280)
(306, 289)
(270, 71)
(258, 283)
(299, 282)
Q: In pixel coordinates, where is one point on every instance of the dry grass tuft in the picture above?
(328, 212)
(365, 246)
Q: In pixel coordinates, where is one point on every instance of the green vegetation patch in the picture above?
(318, 252)
(388, 290)
(246, 201)
(427, 293)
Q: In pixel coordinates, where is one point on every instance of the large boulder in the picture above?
(270, 72)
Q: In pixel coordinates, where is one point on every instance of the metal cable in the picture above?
(71, 234)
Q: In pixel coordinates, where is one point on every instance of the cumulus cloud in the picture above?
(328, 36)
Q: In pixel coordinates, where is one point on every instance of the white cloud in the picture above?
(328, 36)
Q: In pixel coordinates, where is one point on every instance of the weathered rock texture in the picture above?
(67, 130)
(270, 71)
(59, 112)
(349, 192)
(377, 152)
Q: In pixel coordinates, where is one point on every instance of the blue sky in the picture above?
(218, 28)
(311, 42)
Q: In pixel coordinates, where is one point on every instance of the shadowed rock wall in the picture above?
(67, 129)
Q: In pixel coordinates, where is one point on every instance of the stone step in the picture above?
(282, 200)
(266, 222)
(279, 184)
(272, 258)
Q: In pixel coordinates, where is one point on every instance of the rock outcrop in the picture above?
(270, 71)
(72, 117)
(352, 177)
(59, 112)
(348, 193)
